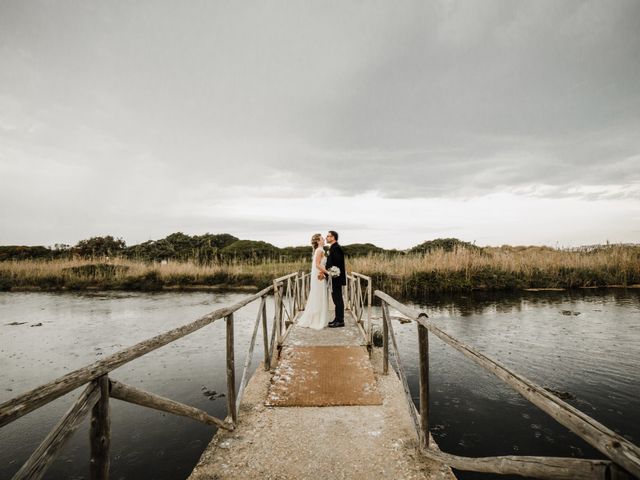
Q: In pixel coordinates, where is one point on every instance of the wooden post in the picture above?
(265, 334)
(385, 341)
(290, 297)
(369, 327)
(286, 291)
(359, 302)
(281, 325)
(423, 349)
(100, 433)
(353, 296)
(231, 372)
(277, 299)
(273, 345)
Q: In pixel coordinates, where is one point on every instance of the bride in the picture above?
(316, 312)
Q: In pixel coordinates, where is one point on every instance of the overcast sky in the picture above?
(499, 122)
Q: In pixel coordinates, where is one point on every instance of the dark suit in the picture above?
(336, 259)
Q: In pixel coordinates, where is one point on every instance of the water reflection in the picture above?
(480, 302)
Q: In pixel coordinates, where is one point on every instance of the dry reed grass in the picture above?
(460, 269)
(123, 273)
(520, 260)
(501, 268)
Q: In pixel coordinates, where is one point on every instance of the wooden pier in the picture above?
(323, 404)
(340, 437)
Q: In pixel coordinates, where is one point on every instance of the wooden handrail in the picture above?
(365, 277)
(614, 446)
(284, 277)
(134, 395)
(18, 406)
(552, 468)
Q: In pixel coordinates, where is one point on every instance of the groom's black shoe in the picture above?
(336, 324)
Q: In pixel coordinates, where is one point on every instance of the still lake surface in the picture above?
(594, 356)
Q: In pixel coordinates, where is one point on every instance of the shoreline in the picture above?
(253, 288)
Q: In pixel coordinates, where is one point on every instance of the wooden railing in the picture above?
(359, 298)
(624, 455)
(289, 295)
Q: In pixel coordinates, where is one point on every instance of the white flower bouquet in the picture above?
(334, 271)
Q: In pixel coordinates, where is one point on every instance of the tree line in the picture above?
(202, 249)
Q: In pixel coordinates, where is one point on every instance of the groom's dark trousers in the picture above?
(336, 296)
(336, 259)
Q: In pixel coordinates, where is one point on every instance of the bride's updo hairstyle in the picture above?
(315, 240)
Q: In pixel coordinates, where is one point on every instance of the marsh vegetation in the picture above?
(442, 265)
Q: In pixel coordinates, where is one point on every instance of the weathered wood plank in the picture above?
(265, 335)
(127, 393)
(284, 277)
(385, 342)
(29, 401)
(35, 467)
(278, 300)
(423, 354)
(369, 325)
(288, 330)
(360, 301)
(100, 433)
(360, 329)
(401, 373)
(614, 446)
(231, 372)
(548, 468)
(273, 354)
(249, 358)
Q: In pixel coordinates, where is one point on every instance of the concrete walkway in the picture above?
(340, 442)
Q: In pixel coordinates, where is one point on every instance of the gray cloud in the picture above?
(141, 113)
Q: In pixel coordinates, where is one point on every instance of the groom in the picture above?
(336, 259)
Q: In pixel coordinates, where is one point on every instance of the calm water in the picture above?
(594, 356)
(78, 329)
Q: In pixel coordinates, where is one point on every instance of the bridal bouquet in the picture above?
(334, 271)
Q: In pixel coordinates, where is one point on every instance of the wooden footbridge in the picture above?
(323, 404)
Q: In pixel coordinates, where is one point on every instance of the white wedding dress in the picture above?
(316, 311)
